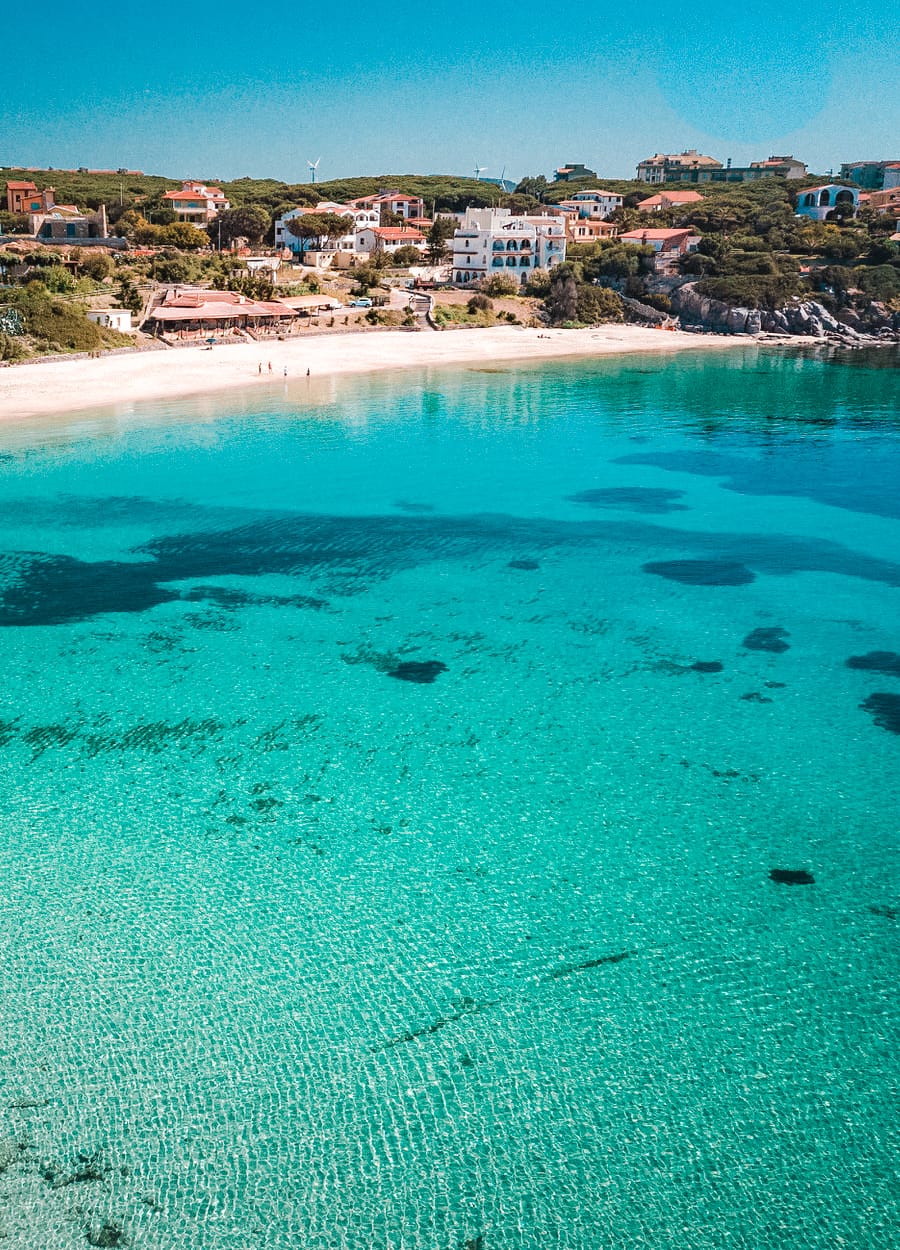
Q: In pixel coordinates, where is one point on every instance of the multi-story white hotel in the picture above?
(491, 240)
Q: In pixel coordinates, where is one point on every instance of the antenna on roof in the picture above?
(479, 170)
(313, 166)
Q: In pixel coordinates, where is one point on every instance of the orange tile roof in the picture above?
(637, 235)
(21, 186)
(398, 232)
(672, 197)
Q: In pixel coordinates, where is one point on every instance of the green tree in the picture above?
(318, 226)
(439, 235)
(97, 265)
(596, 304)
(534, 187)
(406, 255)
(249, 222)
(366, 277)
(538, 284)
(129, 296)
(131, 223)
(181, 235)
(562, 301)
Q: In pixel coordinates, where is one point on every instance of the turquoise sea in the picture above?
(393, 774)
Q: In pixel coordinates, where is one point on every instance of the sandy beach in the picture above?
(53, 387)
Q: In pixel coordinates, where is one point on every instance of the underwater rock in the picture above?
(884, 709)
(568, 969)
(87, 1168)
(887, 662)
(889, 913)
(647, 499)
(466, 1007)
(406, 505)
(528, 565)
(423, 672)
(474, 1243)
(706, 666)
(107, 1235)
(10, 1151)
(792, 876)
(753, 696)
(702, 572)
(767, 639)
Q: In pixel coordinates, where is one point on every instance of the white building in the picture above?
(358, 219)
(592, 205)
(491, 241)
(389, 239)
(112, 318)
(820, 202)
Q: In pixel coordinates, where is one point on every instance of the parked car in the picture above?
(363, 302)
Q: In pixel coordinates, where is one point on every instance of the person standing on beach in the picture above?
(259, 370)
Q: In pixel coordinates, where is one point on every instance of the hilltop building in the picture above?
(196, 203)
(491, 240)
(677, 167)
(569, 173)
(693, 166)
(872, 175)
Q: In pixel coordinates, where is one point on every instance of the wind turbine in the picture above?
(313, 166)
(479, 170)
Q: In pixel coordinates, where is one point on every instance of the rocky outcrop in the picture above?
(804, 317)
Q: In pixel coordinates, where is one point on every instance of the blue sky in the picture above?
(404, 88)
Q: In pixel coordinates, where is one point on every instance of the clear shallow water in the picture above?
(299, 953)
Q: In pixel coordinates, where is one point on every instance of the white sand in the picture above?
(58, 386)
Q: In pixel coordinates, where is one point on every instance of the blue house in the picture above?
(820, 202)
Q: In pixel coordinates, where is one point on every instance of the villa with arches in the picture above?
(820, 202)
(491, 241)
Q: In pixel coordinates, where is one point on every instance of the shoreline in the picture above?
(54, 387)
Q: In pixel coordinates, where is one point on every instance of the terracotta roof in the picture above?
(398, 232)
(21, 186)
(638, 235)
(199, 305)
(671, 197)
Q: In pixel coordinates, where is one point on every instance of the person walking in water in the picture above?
(259, 370)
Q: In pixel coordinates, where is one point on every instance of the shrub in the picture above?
(751, 290)
(881, 281)
(58, 279)
(500, 284)
(11, 348)
(479, 303)
(595, 304)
